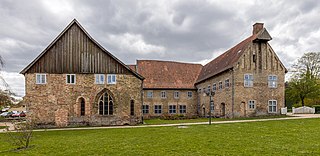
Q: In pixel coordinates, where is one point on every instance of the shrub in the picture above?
(317, 109)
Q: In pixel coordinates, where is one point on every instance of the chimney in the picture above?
(257, 27)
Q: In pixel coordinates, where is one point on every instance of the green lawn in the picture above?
(287, 137)
(158, 121)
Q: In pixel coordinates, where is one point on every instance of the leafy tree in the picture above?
(305, 79)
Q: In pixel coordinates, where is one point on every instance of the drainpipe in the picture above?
(142, 101)
(232, 70)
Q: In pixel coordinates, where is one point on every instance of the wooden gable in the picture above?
(75, 51)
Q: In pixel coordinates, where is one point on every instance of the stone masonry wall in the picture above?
(266, 64)
(191, 103)
(57, 103)
(222, 98)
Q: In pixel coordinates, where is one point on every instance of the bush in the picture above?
(317, 109)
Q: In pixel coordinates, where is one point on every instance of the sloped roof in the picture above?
(225, 61)
(168, 74)
(74, 21)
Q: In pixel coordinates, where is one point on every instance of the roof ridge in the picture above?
(172, 62)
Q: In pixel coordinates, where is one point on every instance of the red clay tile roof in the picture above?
(168, 74)
(224, 61)
(132, 67)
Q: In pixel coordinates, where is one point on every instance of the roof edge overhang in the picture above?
(74, 21)
(222, 71)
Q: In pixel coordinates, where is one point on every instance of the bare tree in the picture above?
(21, 134)
(309, 63)
(304, 82)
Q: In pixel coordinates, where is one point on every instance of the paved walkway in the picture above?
(295, 116)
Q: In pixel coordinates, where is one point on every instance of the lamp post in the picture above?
(211, 104)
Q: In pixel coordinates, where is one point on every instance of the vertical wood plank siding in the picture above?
(76, 53)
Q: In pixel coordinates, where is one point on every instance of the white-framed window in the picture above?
(209, 89)
(111, 78)
(176, 95)
(199, 90)
(99, 78)
(163, 94)
(71, 78)
(149, 94)
(272, 81)
(214, 87)
(227, 83)
(41, 78)
(157, 109)
(251, 104)
(272, 104)
(182, 109)
(145, 109)
(189, 94)
(220, 85)
(172, 109)
(248, 80)
(211, 107)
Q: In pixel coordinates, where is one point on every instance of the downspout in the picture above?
(232, 70)
(142, 102)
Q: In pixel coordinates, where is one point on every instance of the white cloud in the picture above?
(16, 82)
(134, 43)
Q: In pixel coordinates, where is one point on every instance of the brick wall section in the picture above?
(267, 63)
(55, 101)
(191, 103)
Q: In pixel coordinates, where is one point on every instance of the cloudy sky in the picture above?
(179, 30)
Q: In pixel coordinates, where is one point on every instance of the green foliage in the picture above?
(305, 82)
(317, 107)
(254, 138)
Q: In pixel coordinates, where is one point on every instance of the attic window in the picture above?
(254, 57)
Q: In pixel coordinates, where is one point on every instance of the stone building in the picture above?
(168, 87)
(76, 81)
(248, 79)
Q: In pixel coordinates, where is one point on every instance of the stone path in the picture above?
(296, 116)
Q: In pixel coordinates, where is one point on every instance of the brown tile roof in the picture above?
(168, 74)
(132, 67)
(225, 61)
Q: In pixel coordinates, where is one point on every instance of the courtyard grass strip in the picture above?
(285, 137)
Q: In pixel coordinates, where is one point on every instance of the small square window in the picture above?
(220, 85)
(157, 109)
(227, 83)
(41, 79)
(189, 94)
(214, 87)
(251, 104)
(71, 78)
(182, 109)
(176, 95)
(272, 81)
(248, 80)
(112, 78)
(272, 104)
(163, 94)
(150, 94)
(145, 109)
(99, 78)
(172, 109)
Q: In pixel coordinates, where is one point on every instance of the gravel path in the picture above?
(296, 116)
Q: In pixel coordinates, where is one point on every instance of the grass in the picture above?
(158, 121)
(287, 137)
(3, 127)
